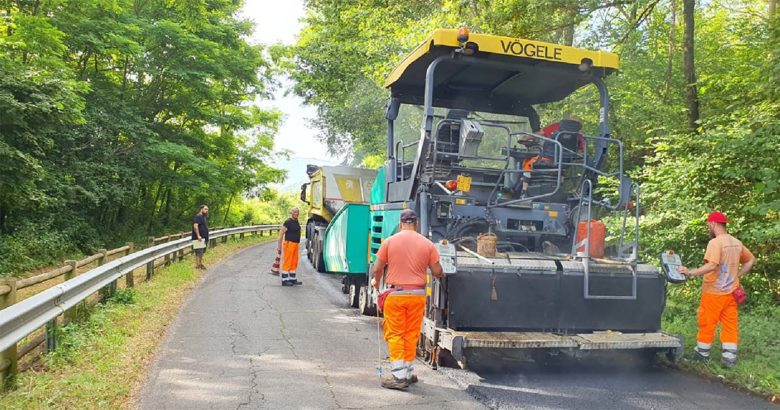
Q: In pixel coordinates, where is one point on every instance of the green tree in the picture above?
(120, 117)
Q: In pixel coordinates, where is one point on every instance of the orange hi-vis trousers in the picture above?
(290, 256)
(403, 322)
(715, 309)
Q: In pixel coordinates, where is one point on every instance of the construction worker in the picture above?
(721, 272)
(289, 240)
(407, 255)
(571, 126)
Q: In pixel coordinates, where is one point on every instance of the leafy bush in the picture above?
(124, 296)
(732, 168)
(33, 246)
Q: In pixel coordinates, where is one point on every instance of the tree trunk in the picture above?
(151, 215)
(689, 67)
(166, 212)
(169, 195)
(227, 212)
(771, 9)
(568, 31)
(670, 57)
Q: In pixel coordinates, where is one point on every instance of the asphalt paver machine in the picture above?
(477, 173)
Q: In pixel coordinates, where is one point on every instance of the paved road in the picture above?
(243, 341)
(603, 389)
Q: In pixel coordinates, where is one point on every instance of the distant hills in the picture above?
(296, 172)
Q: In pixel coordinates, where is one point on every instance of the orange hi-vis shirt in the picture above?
(728, 252)
(408, 256)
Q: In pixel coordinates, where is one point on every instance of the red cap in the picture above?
(717, 217)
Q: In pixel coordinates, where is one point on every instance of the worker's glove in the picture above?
(373, 283)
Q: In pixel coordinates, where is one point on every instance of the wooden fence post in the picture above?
(129, 280)
(72, 313)
(8, 358)
(150, 265)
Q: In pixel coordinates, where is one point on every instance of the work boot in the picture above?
(700, 355)
(410, 376)
(728, 363)
(729, 358)
(391, 382)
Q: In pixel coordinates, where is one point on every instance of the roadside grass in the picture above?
(102, 362)
(758, 367)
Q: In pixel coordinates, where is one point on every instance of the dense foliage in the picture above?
(119, 117)
(726, 162)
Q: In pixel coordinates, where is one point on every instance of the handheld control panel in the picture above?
(448, 256)
(670, 262)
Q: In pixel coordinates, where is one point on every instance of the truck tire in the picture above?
(354, 292)
(319, 262)
(365, 305)
(313, 250)
(308, 241)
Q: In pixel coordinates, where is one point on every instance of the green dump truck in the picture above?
(338, 210)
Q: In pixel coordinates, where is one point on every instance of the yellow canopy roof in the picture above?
(530, 72)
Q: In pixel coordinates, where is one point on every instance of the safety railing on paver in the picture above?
(20, 319)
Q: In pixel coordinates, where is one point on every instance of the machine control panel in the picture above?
(670, 262)
(448, 257)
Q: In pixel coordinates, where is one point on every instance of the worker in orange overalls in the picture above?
(547, 132)
(407, 255)
(289, 240)
(721, 272)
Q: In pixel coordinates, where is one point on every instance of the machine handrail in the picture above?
(559, 148)
(586, 256)
(622, 247)
(401, 155)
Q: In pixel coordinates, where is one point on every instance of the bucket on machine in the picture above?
(598, 235)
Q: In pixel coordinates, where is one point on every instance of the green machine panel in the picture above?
(346, 241)
(384, 223)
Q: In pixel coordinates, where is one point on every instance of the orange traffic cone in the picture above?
(275, 267)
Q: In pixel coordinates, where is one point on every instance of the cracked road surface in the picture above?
(243, 341)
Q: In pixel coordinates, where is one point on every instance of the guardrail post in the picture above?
(72, 313)
(129, 279)
(51, 335)
(167, 259)
(175, 255)
(241, 236)
(212, 243)
(109, 290)
(150, 265)
(8, 358)
(181, 251)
